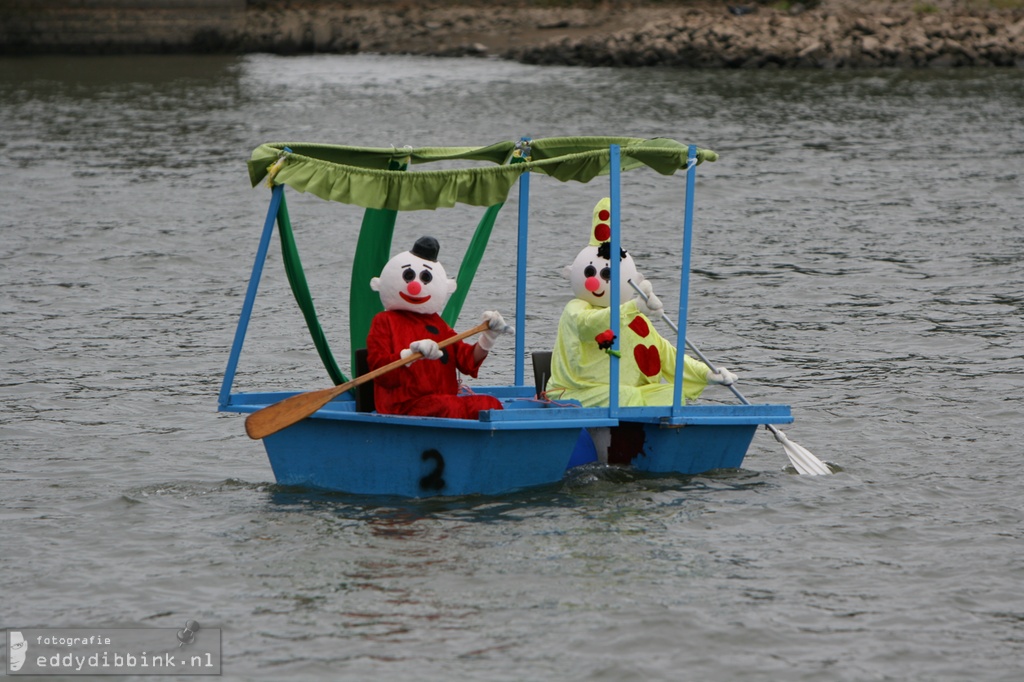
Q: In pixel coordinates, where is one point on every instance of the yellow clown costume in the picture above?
(580, 367)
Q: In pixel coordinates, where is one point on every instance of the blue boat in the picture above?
(347, 446)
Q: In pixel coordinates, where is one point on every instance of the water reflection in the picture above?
(86, 74)
(582, 487)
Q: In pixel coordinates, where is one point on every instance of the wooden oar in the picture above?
(273, 418)
(802, 459)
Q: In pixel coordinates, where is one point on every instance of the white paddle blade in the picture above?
(801, 458)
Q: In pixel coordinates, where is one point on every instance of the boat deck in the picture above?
(523, 412)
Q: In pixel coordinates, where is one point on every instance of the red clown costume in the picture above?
(414, 287)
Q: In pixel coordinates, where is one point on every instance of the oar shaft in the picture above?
(283, 414)
(703, 358)
(802, 459)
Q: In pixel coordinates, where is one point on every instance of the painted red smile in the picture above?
(415, 300)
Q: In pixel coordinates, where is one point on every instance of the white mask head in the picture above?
(590, 276)
(414, 280)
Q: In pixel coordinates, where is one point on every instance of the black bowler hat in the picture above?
(426, 248)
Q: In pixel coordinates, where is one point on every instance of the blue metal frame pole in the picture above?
(614, 196)
(250, 295)
(524, 228)
(684, 280)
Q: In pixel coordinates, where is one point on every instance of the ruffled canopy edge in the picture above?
(361, 175)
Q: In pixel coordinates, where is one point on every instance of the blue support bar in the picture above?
(250, 295)
(614, 195)
(524, 228)
(684, 281)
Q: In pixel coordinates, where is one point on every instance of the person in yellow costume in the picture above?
(579, 365)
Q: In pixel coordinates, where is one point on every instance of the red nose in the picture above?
(592, 284)
(414, 288)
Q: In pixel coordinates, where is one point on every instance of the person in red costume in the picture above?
(414, 287)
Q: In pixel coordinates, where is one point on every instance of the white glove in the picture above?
(652, 307)
(723, 377)
(426, 347)
(497, 326)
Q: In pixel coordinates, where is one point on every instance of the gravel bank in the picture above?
(834, 34)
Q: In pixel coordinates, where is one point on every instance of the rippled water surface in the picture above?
(859, 254)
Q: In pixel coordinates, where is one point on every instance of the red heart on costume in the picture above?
(648, 360)
(640, 326)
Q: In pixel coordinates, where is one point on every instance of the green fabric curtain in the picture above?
(372, 252)
(470, 263)
(300, 289)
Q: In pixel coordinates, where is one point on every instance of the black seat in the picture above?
(541, 370)
(364, 392)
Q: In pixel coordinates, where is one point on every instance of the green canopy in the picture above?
(360, 175)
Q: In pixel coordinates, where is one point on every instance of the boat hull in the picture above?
(524, 445)
(691, 440)
(693, 449)
(416, 461)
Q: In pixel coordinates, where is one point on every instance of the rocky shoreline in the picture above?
(820, 38)
(831, 34)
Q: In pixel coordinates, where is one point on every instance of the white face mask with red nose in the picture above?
(409, 282)
(590, 277)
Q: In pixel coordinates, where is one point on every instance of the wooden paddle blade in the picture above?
(280, 415)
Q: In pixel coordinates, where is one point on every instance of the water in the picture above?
(859, 255)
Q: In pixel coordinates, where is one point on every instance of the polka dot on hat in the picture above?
(600, 230)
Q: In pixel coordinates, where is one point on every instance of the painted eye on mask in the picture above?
(426, 277)
(606, 274)
(408, 275)
(590, 271)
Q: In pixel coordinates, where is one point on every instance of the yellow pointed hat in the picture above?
(600, 228)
